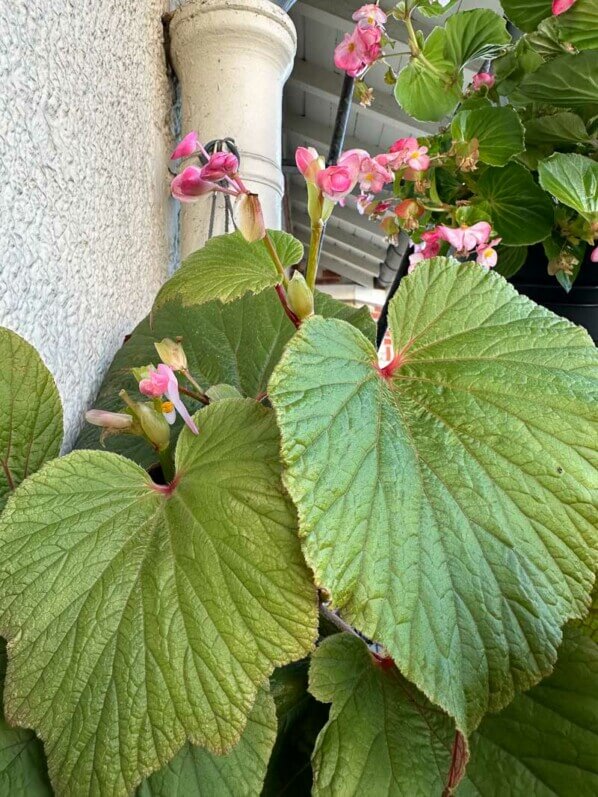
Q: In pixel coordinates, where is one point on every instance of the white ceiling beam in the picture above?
(349, 215)
(318, 135)
(374, 252)
(340, 261)
(327, 85)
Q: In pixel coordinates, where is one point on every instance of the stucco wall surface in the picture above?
(85, 219)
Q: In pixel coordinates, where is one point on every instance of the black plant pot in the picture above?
(580, 305)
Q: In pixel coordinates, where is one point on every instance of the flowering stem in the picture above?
(317, 231)
(201, 397)
(167, 464)
(283, 300)
(275, 259)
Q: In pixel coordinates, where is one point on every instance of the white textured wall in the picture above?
(84, 210)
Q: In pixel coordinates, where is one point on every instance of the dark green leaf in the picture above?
(498, 131)
(569, 81)
(557, 130)
(527, 14)
(579, 25)
(510, 260)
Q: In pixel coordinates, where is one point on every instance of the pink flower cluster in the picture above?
(353, 167)
(195, 181)
(361, 48)
(463, 239)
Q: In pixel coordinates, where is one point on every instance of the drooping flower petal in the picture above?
(189, 185)
(220, 165)
(186, 147)
(250, 218)
(172, 394)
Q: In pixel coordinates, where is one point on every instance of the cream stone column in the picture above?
(232, 58)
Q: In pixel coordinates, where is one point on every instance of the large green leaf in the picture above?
(430, 89)
(383, 738)
(450, 509)
(194, 772)
(545, 743)
(23, 768)
(228, 267)
(434, 8)
(153, 613)
(569, 81)
(31, 429)
(237, 344)
(573, 180)
(527, 14)
(479, 33)
(522, 213)
(579, 25)
(498, 131)
(558, 129)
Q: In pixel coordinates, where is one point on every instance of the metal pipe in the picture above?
(343, 112)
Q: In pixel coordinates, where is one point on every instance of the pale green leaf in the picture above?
(498, 131)
(237, 344)
(383, 738)
(450, 510)
(153, 613)
(194, 772)
(479, 33)
(527, 14)
(222, 391)
(545, 743)
(433, 8)
(31, 429)
(522, 213)
(429, 92)
(569, 81)
(559, 129)
(228, 267)
(579, 25)
(23, 771)
(573, 180)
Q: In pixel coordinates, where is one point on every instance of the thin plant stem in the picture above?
(313, 260)
(201, 397)
(275, 259)
(285, 305)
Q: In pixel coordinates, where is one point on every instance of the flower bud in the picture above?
(171, 353)
(109, 420)
(301, 299)
(154, 424)
(250, 219)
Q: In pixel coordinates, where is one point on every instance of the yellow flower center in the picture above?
(167, 406)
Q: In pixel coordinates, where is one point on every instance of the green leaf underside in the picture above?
(23, 768)
(449, 511)
(522, 213)
(166, 612)
(236, 344)
(383, 737)
(435, 9)
(579, 25)
(545, 742)
(559, 129)
(31, 429)
(569, 81)
(527, 14)
(572, 179)
(228, 267)
(499, 133)
(194, 772)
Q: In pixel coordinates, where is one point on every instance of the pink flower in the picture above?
(430, 247)
(371, 14)
(594, 255)
(406, 151)
(162, 381)
(308, 162)
(560, 6)
(186, 147)
(336, 182)
(373, 175)
(189, 185)
(487, 254)
(483, 79)
(404, 145)
(363, 202)
(220, 165)
(358, 50)
(418, 160)
(370, 41)
(465, 238)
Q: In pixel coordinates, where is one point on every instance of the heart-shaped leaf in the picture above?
(383, 737)
(450, 509)
(236, 344)
(164, 608)
(228, 267)
(558, 129)
(522, 213)
(194, 772)
(498, 131)
(568, 81)
(546, 741)
(527, 14)
(573, 180)
(479, 33)
(31, 430)
(23, 768)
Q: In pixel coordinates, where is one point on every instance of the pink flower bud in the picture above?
(156, 383)
(483, 79)
(371, 14)
(186, 147)
(336, 182)
(594, 255)
(109, 420)
(189, 185)
(220, 165)
(250, 218)
(560, 6)
(309, 163)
